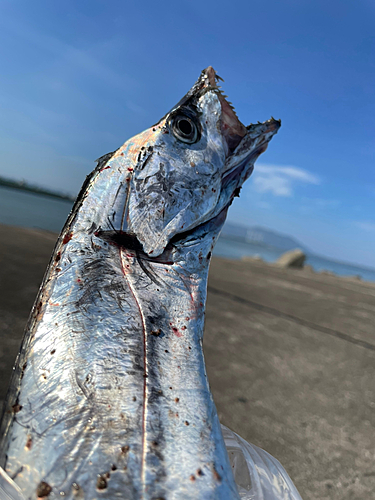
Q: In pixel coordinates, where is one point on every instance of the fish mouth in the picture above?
(244, 144)
(234, 132)
(238, 137)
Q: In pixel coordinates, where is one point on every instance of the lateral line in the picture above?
(145, 375)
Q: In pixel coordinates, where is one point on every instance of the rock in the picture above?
(294, 258)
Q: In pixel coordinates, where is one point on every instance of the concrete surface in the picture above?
(290, 358)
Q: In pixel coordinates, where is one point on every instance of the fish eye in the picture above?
(184, 129)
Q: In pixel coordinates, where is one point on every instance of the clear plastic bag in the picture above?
(258, 475)
(8, 488)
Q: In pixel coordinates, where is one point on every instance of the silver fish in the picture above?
(109, 397)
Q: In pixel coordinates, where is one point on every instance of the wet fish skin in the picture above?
(110, 397)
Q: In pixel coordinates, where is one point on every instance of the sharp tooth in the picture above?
(219, 77)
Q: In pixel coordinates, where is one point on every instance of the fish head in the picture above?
(185, 170)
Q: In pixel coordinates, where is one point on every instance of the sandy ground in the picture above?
(290, 358)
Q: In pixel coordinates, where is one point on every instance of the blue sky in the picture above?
(80, 77)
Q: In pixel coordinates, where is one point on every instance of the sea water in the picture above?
(26, 209)
(22, 208)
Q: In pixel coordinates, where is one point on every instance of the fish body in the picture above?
(109, 396)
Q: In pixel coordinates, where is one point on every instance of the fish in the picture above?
(109, 397)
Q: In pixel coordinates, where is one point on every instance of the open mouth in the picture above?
(238, 137)
(244, 144)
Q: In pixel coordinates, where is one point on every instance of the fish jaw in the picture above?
(240, 164)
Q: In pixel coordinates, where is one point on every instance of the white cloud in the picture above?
(280, 180)
(366, 226)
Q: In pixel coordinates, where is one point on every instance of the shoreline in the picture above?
(10, 184)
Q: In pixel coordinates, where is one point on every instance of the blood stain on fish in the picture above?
(29, 443)
(43, 490)
(176, 332)
(67, 237)
(101, 482)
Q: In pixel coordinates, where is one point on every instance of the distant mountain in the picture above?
(261, 236)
